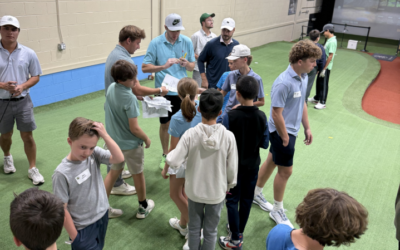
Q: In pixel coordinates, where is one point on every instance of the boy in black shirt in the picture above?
(249, 125)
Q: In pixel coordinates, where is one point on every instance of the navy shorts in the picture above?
(282, 156)
(93, 236)
(176, 106)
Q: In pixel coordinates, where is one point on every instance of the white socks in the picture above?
(257, 191)
(278, 205)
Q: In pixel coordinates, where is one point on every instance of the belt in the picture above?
(13, 99)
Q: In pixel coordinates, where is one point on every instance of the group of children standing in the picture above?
(213, 160)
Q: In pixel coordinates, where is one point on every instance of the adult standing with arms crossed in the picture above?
(19, 71)
(200, 39)
(214, 54)
(130, 38)
(166, 55)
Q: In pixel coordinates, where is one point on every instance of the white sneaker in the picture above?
(174, 223)
(35, 176)
(262, 202)
(124, 189)
(320, 106)
(114, 213)
(9, 165)
(311, 99)
(186, 246)
(144, 212)
(280, 217)
(126, 174)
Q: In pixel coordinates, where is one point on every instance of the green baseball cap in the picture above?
(205, 16)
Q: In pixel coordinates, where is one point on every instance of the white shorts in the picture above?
(179, 172)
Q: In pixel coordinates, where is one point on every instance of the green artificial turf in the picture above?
(351, 152)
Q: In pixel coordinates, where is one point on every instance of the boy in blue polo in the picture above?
(288, 110)
(241, 57)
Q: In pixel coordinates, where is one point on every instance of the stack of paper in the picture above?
(156, 107)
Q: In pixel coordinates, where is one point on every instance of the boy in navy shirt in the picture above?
(249, 125)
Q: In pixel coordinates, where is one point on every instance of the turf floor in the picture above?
(351, 152)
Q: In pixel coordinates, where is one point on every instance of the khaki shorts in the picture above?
(134, 159)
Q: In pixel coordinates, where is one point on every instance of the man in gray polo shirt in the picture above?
(19, 71)
(200, 39)
(130, 38)
(288, 110)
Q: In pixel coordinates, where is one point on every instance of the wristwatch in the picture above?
(160, 90)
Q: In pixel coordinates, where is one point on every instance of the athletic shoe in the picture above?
(311, 99)
(144, 212)
(124, 189)
(114, 213)
(9, 165)
(280, 217)
(186, 246)
(320, 106)
(162, 163)
(126, 174)
(227, 242)
(35, 176)
(262, 202)
(174, 223)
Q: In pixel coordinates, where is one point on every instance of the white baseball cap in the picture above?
(9, 20)
(228, 23)
(239, 51)
(174, 22)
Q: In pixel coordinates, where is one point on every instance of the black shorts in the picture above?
(282, 156)
(176, 106)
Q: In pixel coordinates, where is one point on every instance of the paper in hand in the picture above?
(156, 107)
(171, 83)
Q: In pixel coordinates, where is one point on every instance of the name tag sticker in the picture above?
(83, 176)
(297, 94)
(233, 86)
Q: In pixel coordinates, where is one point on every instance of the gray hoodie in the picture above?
(212, 162)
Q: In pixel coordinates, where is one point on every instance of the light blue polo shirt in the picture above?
(160, 50)
(289, 92)
(121, 104)
(179, 125)
(118, 53)
(230, 84)
(18, 67)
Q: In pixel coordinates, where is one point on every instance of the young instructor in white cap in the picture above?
(170, 53)
(214, 54)
(19, 71)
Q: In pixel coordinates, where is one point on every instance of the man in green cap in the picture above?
(199, 40)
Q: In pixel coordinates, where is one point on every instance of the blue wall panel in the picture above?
(72, 83)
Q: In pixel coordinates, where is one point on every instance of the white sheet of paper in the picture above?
(156, 107)
(171, 83)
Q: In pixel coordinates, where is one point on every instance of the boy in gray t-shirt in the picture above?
(77, 181)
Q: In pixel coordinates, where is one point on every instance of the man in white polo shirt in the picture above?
(19, 71)
(200, 39)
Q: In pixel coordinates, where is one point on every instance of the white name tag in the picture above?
(297, 94)
(83, 176)
(233, 86)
